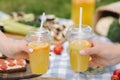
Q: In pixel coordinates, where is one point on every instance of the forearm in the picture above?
(3, 42)
(3, 38)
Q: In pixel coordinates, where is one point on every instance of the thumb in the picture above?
(88, 51)
(26, 48)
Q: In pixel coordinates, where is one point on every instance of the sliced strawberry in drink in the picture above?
(11, 62)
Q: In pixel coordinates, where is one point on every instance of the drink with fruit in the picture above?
(79, 63)
(77, 41)
(39, 58)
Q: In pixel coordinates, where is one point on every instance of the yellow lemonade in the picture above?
(88, 11)
(39, 59)
(79, 63)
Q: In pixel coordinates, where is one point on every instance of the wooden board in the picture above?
(47, 78)
(18, 75)
(16, 36)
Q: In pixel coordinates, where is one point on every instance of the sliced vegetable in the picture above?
(15, 27)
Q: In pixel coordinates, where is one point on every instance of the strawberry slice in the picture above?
(2, 61)
(3, 67)
(11, 62)
(20, 62)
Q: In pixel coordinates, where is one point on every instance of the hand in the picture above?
(17, 49)
(103, 53)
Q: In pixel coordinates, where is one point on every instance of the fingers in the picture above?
(93, 50)
(98, 61)
(88, 51)
(25, 48)
(22, 55)
(23, 42)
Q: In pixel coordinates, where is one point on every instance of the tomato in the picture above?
(114, 77)
(58, 49)
(11, 62)
(20, 62)
(2, 61)
(117, 72)
(3, 67)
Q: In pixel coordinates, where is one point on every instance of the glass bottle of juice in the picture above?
(77, 41)
(88, 11)
(39, 58)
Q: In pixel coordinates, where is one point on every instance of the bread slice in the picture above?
(12, 65)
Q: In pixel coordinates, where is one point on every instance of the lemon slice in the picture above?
(36, 46)
(81, 42)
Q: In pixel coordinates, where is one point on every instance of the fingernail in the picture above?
(31, 50)
(82, 52)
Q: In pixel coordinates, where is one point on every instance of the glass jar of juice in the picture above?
(79, 40)
(39, 41)
(88, 11)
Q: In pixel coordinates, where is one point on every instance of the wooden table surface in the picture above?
(16, 36)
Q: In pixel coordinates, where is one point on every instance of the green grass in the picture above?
(61, 8)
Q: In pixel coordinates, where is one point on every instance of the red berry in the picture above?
(114, 77)
(117, 72)
(58, 49)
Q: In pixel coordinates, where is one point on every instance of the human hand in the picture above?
(103, 53)
(16, 50)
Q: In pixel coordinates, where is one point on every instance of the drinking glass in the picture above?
(39, 41)
(77, 41)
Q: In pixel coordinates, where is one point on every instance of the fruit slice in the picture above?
(11, 62)
(37, 46)
(20, 62)
(3, 67)
(80, 44)
(2, 61)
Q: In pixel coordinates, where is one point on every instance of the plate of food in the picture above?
(14, 69)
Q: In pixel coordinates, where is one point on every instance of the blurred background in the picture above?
(61, 8)
(106, 23)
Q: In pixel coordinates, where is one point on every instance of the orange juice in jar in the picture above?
(79, 63)
(39, 41)
(78, 40)
(88, 11)
(39, 58)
